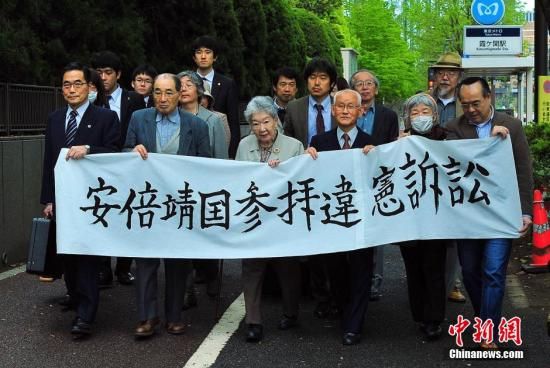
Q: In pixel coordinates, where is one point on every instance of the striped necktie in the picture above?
(71, 129)
(319, 121)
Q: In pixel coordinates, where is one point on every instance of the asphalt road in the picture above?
(34, 330)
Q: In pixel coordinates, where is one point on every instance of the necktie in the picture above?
(320, 122)
(107, 104)
(71, 128)
(206, 84)
(346, 141)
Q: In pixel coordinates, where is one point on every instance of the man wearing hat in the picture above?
(447, 72)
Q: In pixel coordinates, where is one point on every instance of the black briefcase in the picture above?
(42, 258)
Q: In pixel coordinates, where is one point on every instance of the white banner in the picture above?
(186, 207)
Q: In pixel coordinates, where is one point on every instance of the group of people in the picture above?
(194, 113)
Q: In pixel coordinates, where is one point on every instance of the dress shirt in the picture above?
(80, 112)
(446, 109)
(209, 77)
(352, 134)
(167, 125)
(114, 100)
(366, 121)
(484, 129)
(312, 117)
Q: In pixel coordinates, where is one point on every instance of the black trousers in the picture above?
(360, 279)
(425, 267)
(81, 279)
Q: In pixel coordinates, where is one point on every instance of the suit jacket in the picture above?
(296, 119)
(386, 125)
(130, 101)
(216, 132)
(461, 129)
(99, 128)
(283, 148)
(328, 141)
(193, 133)
(226, 100)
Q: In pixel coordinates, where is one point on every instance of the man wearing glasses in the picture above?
(168, 130)
(447, 72)
(142, 83)
(382, 125)
(84, 129)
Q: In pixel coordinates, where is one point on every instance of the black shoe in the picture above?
(125, 278)
(351, 338)
(432, 330)
(322, 310)
(81, 328)
(105, 279)
(189, 299)
(287, 322)
(254, 333)
(375, 294)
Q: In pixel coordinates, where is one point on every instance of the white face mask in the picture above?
(422, 124)
(92, 95)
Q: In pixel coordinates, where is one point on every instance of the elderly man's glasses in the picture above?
(168, 93)
(349, 107)
(475, 105)
(76, 84)
(364, 83)
(448, 73)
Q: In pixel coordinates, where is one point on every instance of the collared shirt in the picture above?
(484, 129)
(80, 112)
(312, 116)
(366, 121)
(167, 125)
(146, 99)
(209, 78)
(114, 100)
(446, 109)
(352, 134)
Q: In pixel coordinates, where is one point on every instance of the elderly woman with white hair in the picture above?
(425, 259)
(268, 145)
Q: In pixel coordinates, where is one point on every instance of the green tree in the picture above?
(287, 45)
(323, 8)
(383, 49)
(250, 14)
(320, 37)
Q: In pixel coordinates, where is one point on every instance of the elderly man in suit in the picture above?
(382, 125)
(124, 103)
(484, 261)
(168, 130)
(350, 273)
(84, 129)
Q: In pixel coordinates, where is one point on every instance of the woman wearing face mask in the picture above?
(425, 259)
(96, 95)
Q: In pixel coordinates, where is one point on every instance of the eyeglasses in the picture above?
(76, 84)
(145, 81)
(168, 93)
(366, 83)
(449, 73)
(475, 105)
(186, 86)
(343, 107)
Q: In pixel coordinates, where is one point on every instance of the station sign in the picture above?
(493, 40)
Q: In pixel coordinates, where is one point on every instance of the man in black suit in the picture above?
(350, 291)
(124, 103)
(382, 125)
(84, 129)
(222, 88)
(285, 87)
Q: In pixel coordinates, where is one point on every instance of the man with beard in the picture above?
(448, 72)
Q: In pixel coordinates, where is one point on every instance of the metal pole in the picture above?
(541, 49)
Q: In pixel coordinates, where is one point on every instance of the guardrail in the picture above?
(25, 108)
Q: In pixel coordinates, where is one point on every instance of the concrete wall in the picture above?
(20, 183)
